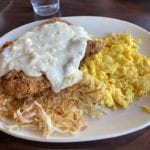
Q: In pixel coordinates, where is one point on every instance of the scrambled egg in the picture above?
(124, 72)
(146, 108)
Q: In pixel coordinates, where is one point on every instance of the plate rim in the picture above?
(67, 17)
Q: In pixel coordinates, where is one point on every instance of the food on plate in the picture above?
(56, 73)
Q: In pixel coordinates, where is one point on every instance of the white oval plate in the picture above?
(113, 124)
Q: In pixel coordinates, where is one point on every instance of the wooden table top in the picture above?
(19, 12)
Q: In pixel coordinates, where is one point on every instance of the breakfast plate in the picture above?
(113, 124)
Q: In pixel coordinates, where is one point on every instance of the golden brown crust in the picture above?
(55, 19)
(5, 45)
(18, 85)
(93, 46)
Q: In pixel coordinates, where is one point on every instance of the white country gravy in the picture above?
(55, 49)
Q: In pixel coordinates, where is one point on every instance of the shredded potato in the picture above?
(60, 113)
(112, 78)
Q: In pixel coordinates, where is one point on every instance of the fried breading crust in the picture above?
(20, 86)
(55, 19)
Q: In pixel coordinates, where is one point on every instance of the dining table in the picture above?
(14, 13)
